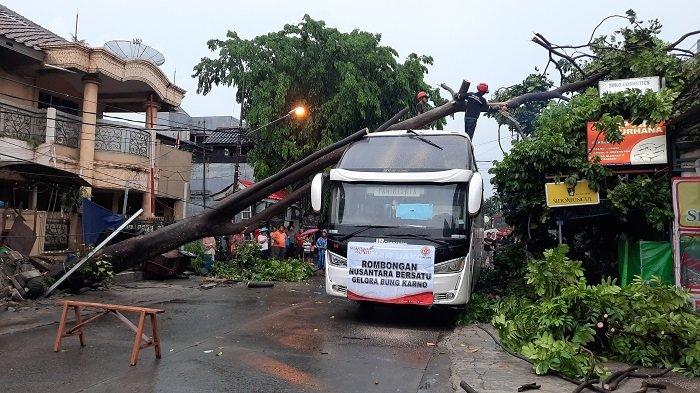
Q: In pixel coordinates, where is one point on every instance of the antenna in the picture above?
(75, 36)
(134, 50)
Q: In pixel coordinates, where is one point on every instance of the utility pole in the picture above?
(239, 142)
(204, 168)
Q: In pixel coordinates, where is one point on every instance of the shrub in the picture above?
(292, 270)
(566, 321)
(508, 272)
(97, 271)
(197, 249)
(247, 265)
(480, 309)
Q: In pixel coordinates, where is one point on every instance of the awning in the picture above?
(32, 173)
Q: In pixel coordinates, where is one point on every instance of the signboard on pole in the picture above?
(652, 83)
(686, 233)
(641, 145)
(563, 195)
(391, 273)
(686, 202)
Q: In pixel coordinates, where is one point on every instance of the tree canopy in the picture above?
(347, 81)
(638, 204)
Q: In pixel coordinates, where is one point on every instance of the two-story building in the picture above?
(63, 134)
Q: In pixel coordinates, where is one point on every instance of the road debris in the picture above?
(207, 285)
(529, 386)
(260, 284)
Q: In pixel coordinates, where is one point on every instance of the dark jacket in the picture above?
(476, 103)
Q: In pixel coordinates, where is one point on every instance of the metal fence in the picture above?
(22, 123)
(122, 139)
(147, 226)
(68, 129)
(56, 234)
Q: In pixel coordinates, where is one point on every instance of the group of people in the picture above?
(286, 242)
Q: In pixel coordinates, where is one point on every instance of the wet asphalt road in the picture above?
(290, 338)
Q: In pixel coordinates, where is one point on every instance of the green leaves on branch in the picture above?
(566, 321)
(248, 265)
(556, 271)
(348, 81)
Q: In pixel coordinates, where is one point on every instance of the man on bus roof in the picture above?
(476, 103)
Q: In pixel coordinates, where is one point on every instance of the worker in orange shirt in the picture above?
(279, 242)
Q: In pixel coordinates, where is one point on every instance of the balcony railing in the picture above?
(68, 129)
(147, 225)
(30, 124)
(24, 123)
(122, 138)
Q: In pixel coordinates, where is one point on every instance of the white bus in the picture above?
(410, 203)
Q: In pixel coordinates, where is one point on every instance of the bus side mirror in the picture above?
(316, 192)
(475, 194)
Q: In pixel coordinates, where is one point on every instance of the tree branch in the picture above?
(420, 121)
(543, 42)
(278, 208)
(555, 93)
(683, 37)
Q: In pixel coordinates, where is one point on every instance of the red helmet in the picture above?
(482, 88)
(421, 94)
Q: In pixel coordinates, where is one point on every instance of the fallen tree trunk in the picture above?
(129, 252)
(452, 107)
(217, 221)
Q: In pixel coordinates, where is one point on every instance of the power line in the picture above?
(90, 169)
(94, 102)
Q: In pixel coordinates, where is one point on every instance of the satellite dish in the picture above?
(134, 50)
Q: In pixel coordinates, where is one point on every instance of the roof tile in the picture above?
(18, 28)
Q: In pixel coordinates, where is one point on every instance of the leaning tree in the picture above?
(579, 70)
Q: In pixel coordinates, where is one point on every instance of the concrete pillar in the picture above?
(87, 132)
(50, 125)
(148, 201)
(181, 204)
(116, 195)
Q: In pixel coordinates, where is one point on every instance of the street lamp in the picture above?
(299, 111)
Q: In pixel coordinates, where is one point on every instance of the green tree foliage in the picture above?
(348, 81)
(567, 326)
(556, 149)
(247, 264)
(527, 113)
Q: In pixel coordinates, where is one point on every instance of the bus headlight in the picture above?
(451, 266)
(337, 260)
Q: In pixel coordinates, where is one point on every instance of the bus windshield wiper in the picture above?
(420, 138)
(364, 228)
(440, 242)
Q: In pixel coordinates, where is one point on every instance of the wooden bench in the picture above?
(141, 340)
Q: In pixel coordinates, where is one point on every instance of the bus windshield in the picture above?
(405, 153)
(430, 206)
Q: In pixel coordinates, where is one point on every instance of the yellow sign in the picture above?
(562, 194)
(686, 192)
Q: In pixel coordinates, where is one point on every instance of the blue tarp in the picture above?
(97, 219)
(414, 211)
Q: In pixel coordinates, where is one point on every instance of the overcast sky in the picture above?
(482, 41)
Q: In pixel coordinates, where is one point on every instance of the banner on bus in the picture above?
(391, 273)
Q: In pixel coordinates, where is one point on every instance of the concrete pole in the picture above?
(91, 85)
(148, 201)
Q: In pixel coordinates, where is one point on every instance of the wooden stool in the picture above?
(141, 340)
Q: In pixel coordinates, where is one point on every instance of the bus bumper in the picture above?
(448, 289)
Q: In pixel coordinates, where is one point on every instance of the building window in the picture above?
(247, 213)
